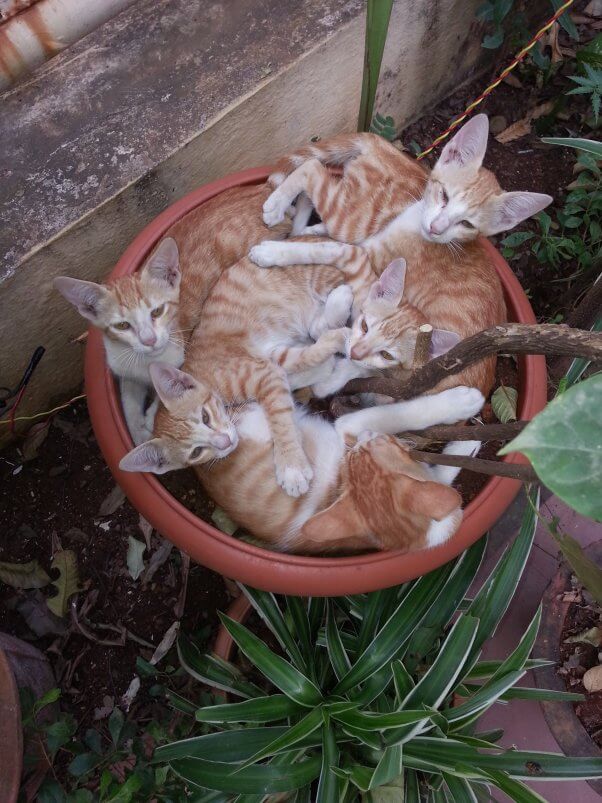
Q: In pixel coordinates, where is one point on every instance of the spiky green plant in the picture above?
(362, 708)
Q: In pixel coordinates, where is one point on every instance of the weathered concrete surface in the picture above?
(165, 97)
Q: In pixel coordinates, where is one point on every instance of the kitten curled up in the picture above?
(386, 205)
(367, 493)
(149, 315)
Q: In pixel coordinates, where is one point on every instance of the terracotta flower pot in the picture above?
(11, 735)
(562, 720)
(240, 610)
(261, 568)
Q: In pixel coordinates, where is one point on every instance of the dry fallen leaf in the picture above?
(592, 680)
(112, 502)
(147, 530)
(523, 127)
(550, 39)
(131, 693)
(592, 636)
(512, 80)
(34, 439)
(135, 561)
(67, 582)
(23, 575)
(594, 8)
(108, 704)
(157, 560)
(166, 643)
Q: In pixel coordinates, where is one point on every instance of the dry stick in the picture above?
(512, 338)
(494, 467)
(460, 432)
(423, 345)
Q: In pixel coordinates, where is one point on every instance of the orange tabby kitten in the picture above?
(367, 493)
(147, 316)
(449, 278)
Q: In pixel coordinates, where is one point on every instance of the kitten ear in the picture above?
(86, 297)
(441, 342)
(511, 208)
(338, 527)
(467, 148)
(164, 263)
(170, 383)
(389, 286)
(433, 499)
(151, 456)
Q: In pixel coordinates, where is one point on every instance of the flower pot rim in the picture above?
(253, 565)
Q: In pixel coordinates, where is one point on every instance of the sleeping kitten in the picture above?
(138, 316)
(209, 239)
(449, 277)
(367, 493)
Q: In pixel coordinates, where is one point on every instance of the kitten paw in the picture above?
(275, 208)
(338, 306)
(462, 402)
(265, 255)
(294, 480)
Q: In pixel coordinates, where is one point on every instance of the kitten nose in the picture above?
(221, 441)
(357, 353)
(148, 337)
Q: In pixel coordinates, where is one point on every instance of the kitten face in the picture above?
(194, 426)
(462, 199)
(137, 311)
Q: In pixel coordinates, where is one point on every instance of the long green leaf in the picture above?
(459, 789)
(440, 615)
(587, 145)
(494, 596)
(516, 790)
(328, 785)
(398, 628)
(278, 671)
(296, 733)
(527, 693)
(441, 677)
(315, 614)
(302, 632)
(485, 669)
(483, 699)
(518, 657)
(378, 13)
(403, 681)
(260, 709)
(336, 652)
(389, 767)
(517, 763)
(263, 778)
(267, 607)
(372, 721)
(412, 788)
(226, 746)
(214, 671)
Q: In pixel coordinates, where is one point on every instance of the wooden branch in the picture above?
(511, 338)
(460, 432)
(478, 465)
(423, 345)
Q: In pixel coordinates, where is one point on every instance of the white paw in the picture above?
(294, 480)
(275, 208)
(367, 435)
(462, 402)
(338, 306)
(265, 254)
(463, 448)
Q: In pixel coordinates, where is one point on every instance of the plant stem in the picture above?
(492, 467)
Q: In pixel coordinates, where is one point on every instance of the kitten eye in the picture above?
(364, 326)
(196, 452)
(158, 311)
(206, 418)
(445, 195)
(468, 224)
(387, 355)
(122, 326)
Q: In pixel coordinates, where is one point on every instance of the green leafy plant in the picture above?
(575, 231)
(374, 696)
(589, 84)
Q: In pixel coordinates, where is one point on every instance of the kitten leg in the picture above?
(300, 358)
(133, 396)
(446, 407)
(351, 260)
(303, 211)
(317, 230)
(447, 474)
(293, 470)
(334, 313)
(313, 179)
(343, 372)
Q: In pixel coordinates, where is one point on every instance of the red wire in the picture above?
(13, 410)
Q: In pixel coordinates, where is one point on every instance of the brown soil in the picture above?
(577, 657)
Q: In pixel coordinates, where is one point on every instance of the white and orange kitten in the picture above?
(138, 316)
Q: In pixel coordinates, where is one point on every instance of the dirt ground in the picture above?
(54, 500)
